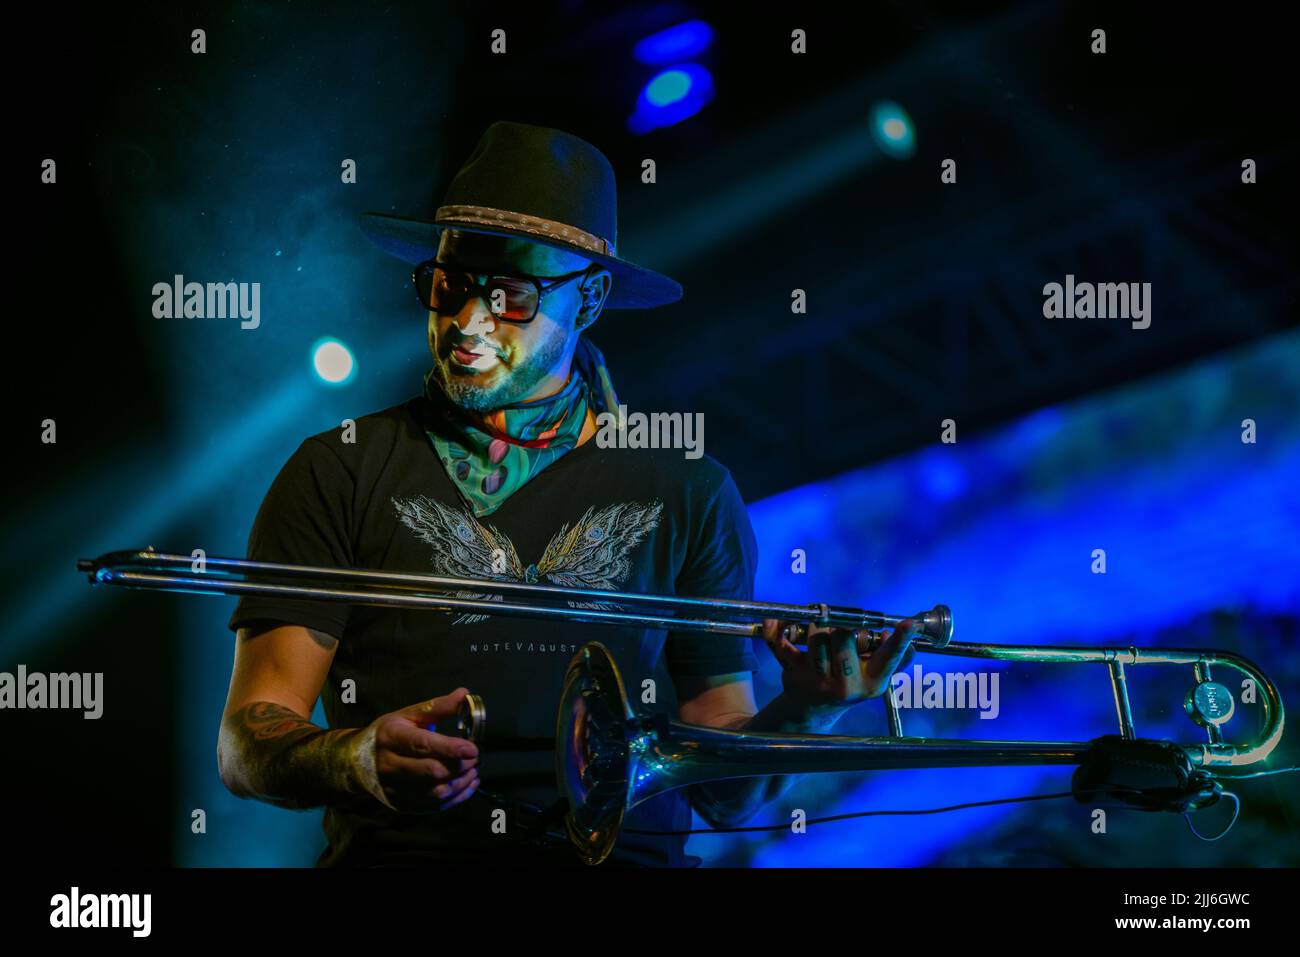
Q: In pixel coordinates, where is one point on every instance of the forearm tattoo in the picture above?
(271, 753)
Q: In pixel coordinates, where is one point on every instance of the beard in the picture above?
(513, 385)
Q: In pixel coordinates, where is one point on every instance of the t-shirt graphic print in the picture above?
(592, 553)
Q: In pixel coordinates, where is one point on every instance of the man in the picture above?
(493, 473)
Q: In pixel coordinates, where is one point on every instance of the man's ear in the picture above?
(595, 290)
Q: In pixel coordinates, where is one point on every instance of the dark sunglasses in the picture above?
(444, 287)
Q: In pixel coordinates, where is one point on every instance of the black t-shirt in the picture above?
(649, 521)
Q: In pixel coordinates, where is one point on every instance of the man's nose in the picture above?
(475, 318)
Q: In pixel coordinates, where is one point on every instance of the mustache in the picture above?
(475, 343)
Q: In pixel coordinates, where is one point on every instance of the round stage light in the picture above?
(892, 130)
(668, 87)
(333, 362)
(680, 42)
(671, 96)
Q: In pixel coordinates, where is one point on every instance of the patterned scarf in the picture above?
(491, 455)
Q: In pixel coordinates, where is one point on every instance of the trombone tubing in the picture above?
(153, 570)
(147, 569)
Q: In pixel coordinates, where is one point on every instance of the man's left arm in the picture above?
(727, 702)
(818, 685)
(712, 673)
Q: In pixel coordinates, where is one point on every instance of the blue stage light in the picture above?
(1003, 525)
(668, 87)
(676, 43)
(333, 362)
(671, 96)
(893, 131)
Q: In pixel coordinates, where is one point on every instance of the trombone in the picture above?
(609, 758)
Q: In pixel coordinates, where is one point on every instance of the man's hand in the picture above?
(418, 770)
(831, 674)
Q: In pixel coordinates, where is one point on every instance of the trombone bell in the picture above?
(609, 759)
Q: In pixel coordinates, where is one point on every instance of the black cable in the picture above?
(1236, 801)
(960, 807)
(842, 817)
(943, 810)
(1260, 774)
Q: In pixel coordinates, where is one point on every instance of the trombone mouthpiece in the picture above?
(470, 722)
(938, 625)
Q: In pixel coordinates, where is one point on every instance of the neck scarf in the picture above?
(491, 455)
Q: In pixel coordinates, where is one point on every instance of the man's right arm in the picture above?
(268, 748)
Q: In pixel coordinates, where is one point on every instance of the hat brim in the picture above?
(416, 240)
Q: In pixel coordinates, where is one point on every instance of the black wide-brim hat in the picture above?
(538, 184)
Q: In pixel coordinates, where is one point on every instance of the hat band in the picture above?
(546, 228)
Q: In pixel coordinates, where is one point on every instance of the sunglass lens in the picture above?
(445, 290)
(440, 290)
(512, 299)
